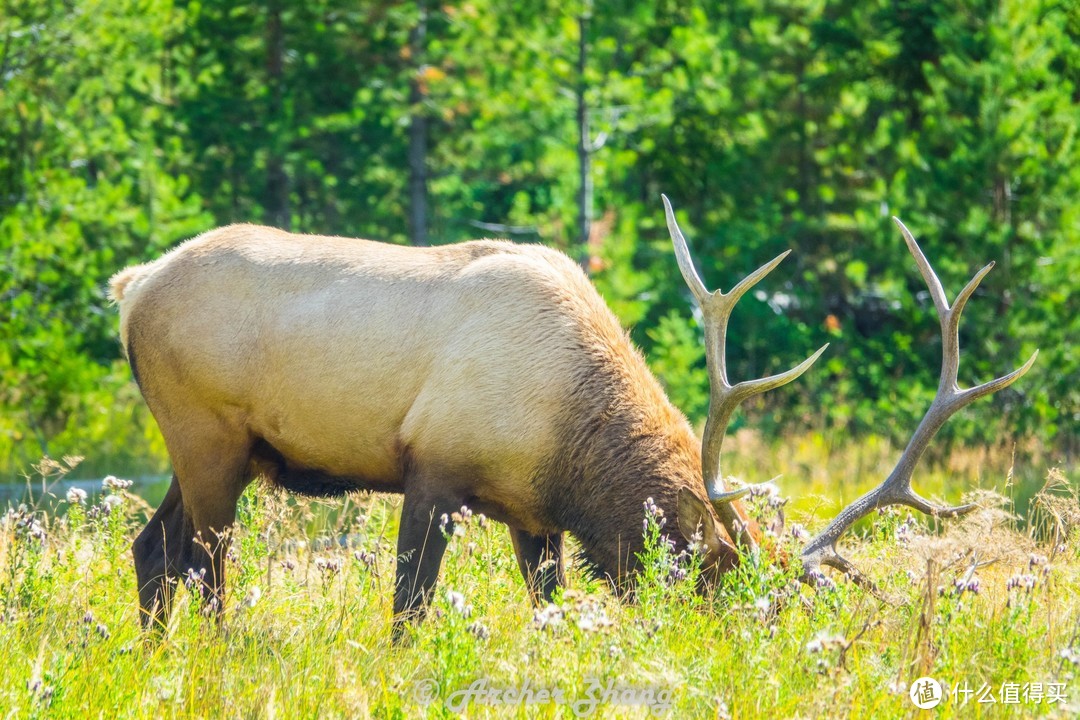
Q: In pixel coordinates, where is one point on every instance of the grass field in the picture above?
(993, 600)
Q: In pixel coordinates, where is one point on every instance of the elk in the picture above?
(486, 374)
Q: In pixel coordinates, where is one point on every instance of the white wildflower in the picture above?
(549, 616)
(111, 482)
(456, 601)
(825, 641)
(254, 594)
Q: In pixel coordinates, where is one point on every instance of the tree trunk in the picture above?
(585, 187)
(418, 130)
(277, 180)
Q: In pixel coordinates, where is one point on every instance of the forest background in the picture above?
(127, 126)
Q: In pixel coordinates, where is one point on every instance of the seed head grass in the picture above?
(305, 631)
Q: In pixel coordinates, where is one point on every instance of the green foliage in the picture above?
(128, 126)
(91, 178)
(678, 359)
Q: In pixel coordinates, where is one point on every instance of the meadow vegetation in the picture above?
(994, 598)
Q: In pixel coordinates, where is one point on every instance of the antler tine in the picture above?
(724, 397)
(992, 386)
(682, 255)
(937, 292)
(748, 388)
(896, 489)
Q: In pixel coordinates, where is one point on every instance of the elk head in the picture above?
(724, 397)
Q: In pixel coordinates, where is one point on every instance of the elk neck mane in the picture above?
(622, 441)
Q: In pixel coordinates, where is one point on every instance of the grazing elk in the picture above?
(485, 374)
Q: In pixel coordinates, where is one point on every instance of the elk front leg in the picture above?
(421, 545)
(540, 558)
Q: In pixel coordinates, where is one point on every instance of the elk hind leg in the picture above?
(212, 464)
(159, 552)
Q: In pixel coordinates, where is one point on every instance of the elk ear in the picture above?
(697, 523)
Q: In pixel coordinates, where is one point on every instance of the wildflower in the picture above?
(821, 580)
(111, 482)
(457, 603)
(776, 502)
(590, 615)
(210, 607)
(25, 524)
(1070, 655)
(799, 532)
(668, 542)
(765, 489)
(38, 690)
(1035, 560)
(365, 557)
(328, 565)
(676, 574)
(102, 630)
(88, 617)
(76, 496)
(697, 543)
(550, 616)
(962, 585)
(462, 515)
(824, 641)
(479, 630)
(652, 510)
(593, 619)
(444, 520)
(906, 530)
(194, 578)
(35, 531)
(251, 598)
(111, 502)
(1024, 582)
(897, 686)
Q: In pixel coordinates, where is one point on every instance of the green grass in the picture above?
(306, 629)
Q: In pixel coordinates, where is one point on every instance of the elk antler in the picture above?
(896, 489)
(724, 397)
